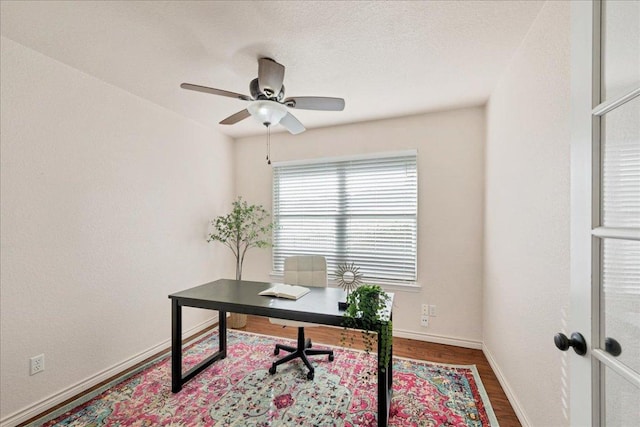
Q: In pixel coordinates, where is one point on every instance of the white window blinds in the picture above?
(362, 211)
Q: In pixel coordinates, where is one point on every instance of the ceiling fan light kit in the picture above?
(269, 113)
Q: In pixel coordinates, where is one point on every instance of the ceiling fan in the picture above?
(267, 102)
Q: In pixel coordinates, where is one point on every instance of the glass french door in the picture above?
(605, 290)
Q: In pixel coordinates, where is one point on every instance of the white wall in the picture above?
(105, 203)
(526, 290)
(450, 183)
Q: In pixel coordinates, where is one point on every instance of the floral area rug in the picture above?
(239, 391)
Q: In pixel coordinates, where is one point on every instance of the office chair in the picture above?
(304, 271)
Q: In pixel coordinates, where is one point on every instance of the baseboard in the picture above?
(81, 386)
(515, 404)
(438, 339)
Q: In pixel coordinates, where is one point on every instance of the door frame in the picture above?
(585, 94)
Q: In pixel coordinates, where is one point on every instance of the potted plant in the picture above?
(245, 227)
(366, 311)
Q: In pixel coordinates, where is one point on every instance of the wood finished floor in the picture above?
(412, 349)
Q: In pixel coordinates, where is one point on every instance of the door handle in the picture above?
(577, 342)
(612, 347)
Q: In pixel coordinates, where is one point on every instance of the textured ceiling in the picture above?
(386, 59)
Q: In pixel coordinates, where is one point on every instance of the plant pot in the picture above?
(236, 321)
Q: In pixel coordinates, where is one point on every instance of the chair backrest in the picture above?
(306, 270)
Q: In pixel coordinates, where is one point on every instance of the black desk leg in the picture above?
(222, 333)
(384, 387)
(176, 346)
(390, 372)
(178, 379)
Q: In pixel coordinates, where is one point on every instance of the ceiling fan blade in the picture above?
(270, 76)
(235, 118)
(214, 91)
(315, 103)
(292, 124)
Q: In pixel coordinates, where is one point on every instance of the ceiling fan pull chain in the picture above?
(267, 158)
(268, 144)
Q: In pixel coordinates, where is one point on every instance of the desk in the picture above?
(241, 296)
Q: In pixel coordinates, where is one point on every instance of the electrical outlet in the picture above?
(425, 310)
(36, 364)
(432, 310)
(424, 321)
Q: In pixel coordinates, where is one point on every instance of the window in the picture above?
(361, 210)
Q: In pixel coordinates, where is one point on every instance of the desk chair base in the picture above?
(302, 350)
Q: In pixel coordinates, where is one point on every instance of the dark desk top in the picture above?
(241, 296)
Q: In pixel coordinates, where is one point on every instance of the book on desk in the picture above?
(286, 291)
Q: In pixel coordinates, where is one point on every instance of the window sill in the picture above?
(413, 287)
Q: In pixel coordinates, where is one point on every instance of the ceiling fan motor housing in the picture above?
(254, 90)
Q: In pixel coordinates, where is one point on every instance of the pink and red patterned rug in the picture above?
(238, 391)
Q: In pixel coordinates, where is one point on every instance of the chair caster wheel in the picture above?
(331, 358)
(272, 369)
(276, 351)
(310, 375)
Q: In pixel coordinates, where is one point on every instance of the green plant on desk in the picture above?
(366, 310)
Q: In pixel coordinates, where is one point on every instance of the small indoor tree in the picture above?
(246, 226)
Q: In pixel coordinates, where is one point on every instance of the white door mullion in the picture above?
(607, 106)
(618, 367)
(617, 233)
